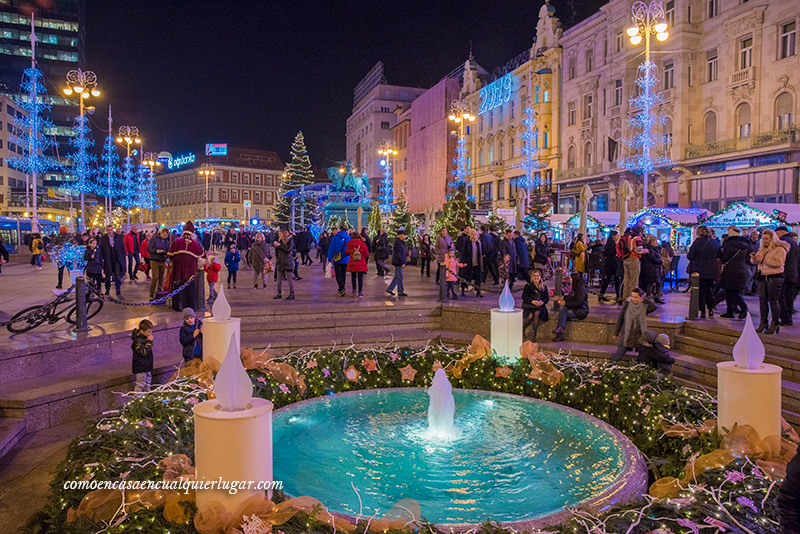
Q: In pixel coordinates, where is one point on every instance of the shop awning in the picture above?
(751, 215)
(595, 219)
(668, 217)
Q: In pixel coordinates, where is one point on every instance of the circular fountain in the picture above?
(512, 459)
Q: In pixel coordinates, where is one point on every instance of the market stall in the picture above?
(748, 216)
(598, 223)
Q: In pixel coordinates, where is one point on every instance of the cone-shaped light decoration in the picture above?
(221, 309)
(232, 386)
(506, 299)
(748, 353)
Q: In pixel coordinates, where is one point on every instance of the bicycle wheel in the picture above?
(93, 307)
(21, 322)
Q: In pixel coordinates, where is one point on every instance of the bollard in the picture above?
(694, 296)
(81, 325)
(200, 291)
(442, 283)
(558, 289)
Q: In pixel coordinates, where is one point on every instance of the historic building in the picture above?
(245, 185)
(728, 71)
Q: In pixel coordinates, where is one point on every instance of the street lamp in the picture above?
(461, 112)
(387, 149)
(648, 19)
(83, 84)
(207, 170)
(150, 159)
(128, 135)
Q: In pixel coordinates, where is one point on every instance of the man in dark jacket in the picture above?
(206, 240)
(789, 289)
(703, 256)
(157, 248)
(112, 247)
(489, 255)
(734, 255)
(398, 261)
(243, 244)
(508, 251)
(610, 267)
(337, 256)
(574, 306)
(462, 240)
(523, 258)
(381, 252)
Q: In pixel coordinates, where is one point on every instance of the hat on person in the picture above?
(648, 336)
(62, 230)
(663, 339)
(732, 230)
(188, 312)
(782, 229)
(188, 227)
(401, 230)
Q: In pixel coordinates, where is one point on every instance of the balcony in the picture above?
(568, 174)
(743, 76)
(498, 168)
(586, 124)
(759, 140)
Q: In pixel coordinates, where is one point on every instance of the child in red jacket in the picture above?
(212, 275)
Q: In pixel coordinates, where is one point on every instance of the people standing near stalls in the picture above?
(652, 277)
(751, 288)
(303, 243)
(629, 251)
(578, 254)
(703, 256)
(489, 256)
(322, 249)
(112, 248)
(471, 262)
(535, 297)
(132, 244)
(770, 260)
(523, 257)
(157, 248)
(541, 253)
(425, 255)
(611, 267)
(284, 263)
(399, 262)
(184, 253)
(790, 275)
(734, 255)
(243, 244)
(257, 257)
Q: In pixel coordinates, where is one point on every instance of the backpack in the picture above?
(356, 255)
(623, 248)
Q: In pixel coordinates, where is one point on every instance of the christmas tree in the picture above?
(83, 162)
(127, 186)
(297, 173)
(108, 174)
(146, 191)
(375, 221)
(497, 224)
(402, 218)
(456, 213)
(536, 218)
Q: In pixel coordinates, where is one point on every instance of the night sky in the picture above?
(251, 73)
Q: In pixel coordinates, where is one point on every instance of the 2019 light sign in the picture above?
(497, 93)
(180, 161)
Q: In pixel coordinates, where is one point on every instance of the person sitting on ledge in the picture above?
(574, 306)
(631, 322)
(654, 351)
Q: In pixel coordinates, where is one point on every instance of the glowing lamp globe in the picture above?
(636, 39)
(633, 31)
(383, 163)
(662, 36)
(254, 222)
(661, 27)
(506, 300)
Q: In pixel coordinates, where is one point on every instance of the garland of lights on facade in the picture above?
(529, 152)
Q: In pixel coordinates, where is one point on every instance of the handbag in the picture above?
(142, 267)
(268, 267)
(329, 270)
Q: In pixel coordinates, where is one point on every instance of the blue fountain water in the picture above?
(510, 459)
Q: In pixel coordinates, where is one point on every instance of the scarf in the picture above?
(636, 317)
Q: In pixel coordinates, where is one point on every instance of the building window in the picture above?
(245, 195)
(235, 214)
(536, 95)
(224, 212)
(491, 153)
(788, 36)
(258, 196)
(689, 76)
(511, 110)
(480, 158)
(536, 139)
(405, 164)
(258, 213)
(224, 194)
(571, 68)
(546, 140)
(587, 106)
(571, 114)
(500, 151)
(669, 14)
(712, 8)
(511, 148)
(491, 119)
(712, 65)
(783, 110)
(385, 109)
(668, 137)
(710, 132)
(619, 42)
(480, 123)
(500, 111)
(743, 120)
(501, 189)
(485, 192)
(571, 157)
(589, 57)
(384, 125)
(617, 92)
(669, 75)
(745, 53)
(546, 94)
(587, 154)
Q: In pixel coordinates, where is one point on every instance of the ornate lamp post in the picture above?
(150, 159)
(461, 112)
(207, 170)
(387, 149)
(83, 84)
(648, 20)
(129, 135)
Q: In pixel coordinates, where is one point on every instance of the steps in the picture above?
(12, 429)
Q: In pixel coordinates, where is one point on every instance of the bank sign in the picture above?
(180, 161)
(497, 93)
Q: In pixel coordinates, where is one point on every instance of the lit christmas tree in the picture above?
(127, 186)
(401, 217)
(531, 181)
(646, 143)
(29, 132)
(538, 215)
(83, 163)
(297, 173)
(375, 221)
(461, 174)
(386, 194)
(107, 181)
(456, 213)
(146, 191)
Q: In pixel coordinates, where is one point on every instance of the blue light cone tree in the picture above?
(146, 191)
(646, 144)
(83, 162)
(127, 196)
(531, 181)
(108, 175)
(29, 130)
(386, 195)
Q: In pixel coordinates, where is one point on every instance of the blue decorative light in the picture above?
(529, 161)
(386, 194)
(180, 161)
(108, 174)
(70, 256)
(146, 190)
(497, 93)
(82, 160)
(127, 185)
(461, 173)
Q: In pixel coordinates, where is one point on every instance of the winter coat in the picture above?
(531, 293)
(452, 268)
(792, 261)
(578, 301)
(339, 245)
(541, 252)
(192, 346)
(399, 252)
(37, 247)
(283, 256)
(488, 246)
(258, 254)
(703, 256)
(610, 258)
(461, 242)
(156, 243)
(654, 354)
(629, 327)
(184, 255)
(206, 241)
(774, 259)
(304, 240)
(523, 258)
(734, 255)
(94, 260)
(232, 260)
(579, 252)
(509, 248)
(142, 348)
(424, 249)
(143, 249)
(132, 243)
(443, 246)
(470, 271)
(111, 255)
(381, 244)
(651, 272)
(357, 265)
(244, 242)
(212, 271)
(324, 243)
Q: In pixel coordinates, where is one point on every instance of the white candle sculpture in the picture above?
(233, 435)
(749, 389)
(506, 326)
(218, 329)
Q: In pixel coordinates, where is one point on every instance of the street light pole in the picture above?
(648, 19)
(461, 114)
(207, 170)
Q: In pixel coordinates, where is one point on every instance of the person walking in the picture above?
(243, 243)
(232, 259)
(284, 263)
(508, 258)
(631, 323)
(112, 247)
(157, 248)
(651, 278)
(322, 249)
(489, 256)
(257, 257)
(37, 248)
(357, 266)
(703, 256)
(381, 245)
(523, 257)
(132, 244)
(611, 266)
(336, 254)
(574, 305)
(212, 269)
(399, 262)
(94, 264)
(734, 255)
(425, 255)
(790, 275)
(303, 242)
(535, 297)
(770, 260)
(443, 245)
(630, 250)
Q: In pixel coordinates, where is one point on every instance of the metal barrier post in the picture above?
(694, 296)
(442, 282)
(81, 324)
(558, 290)
(200, 305)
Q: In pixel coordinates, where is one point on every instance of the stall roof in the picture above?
(792, 211)
(748, 215)
(672, 216)
(601, 218)
(559, 218)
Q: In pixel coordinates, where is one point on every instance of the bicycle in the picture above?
(52, 312)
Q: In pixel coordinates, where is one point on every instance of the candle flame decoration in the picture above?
(506, 299)
(748, 353)
(232, 385)
(221, 309)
